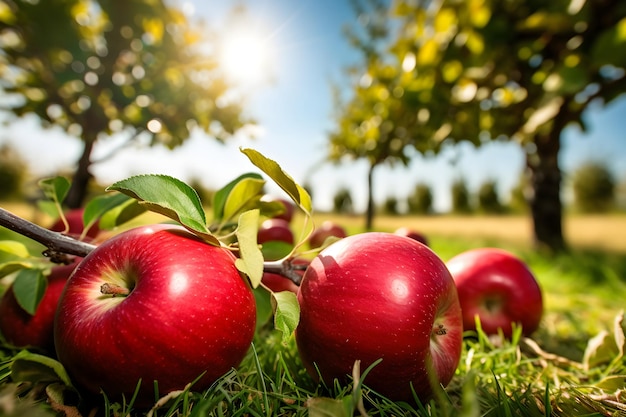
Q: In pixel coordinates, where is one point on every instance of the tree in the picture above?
(13, 173)
(101, 67)
(479, 71)
(421, 201)
(342, 201)
(460, 197)
(488, 198)
(594, 188)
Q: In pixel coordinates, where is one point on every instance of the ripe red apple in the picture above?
(378, 295)
(413, 234)
(289, 206)
(499, 288)
(22, 329)
(187, 313)
(324, 231)
(74, 219)
(275, 229)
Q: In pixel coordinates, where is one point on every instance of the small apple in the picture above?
(23, 329)
(74, 219)
(413, 234)
(327, 229)
(375, 296)
(289, 207)
(275, 229)
(499, 288)
(154, 303)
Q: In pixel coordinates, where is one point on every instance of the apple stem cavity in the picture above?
(114, 290)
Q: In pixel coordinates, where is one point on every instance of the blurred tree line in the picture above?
(593, 188)
(436, 73)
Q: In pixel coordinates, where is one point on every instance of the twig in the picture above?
(56, 242)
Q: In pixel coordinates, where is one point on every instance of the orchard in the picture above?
(259, 308)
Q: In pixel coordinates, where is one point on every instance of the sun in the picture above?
(246, 57)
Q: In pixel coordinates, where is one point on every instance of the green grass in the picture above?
(548, 375)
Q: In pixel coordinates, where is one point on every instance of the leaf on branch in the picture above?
(298, 194)
(170, 197)
(29, 288)
(121, 214)
(97, 207)
(286, 312)
(250, 260)
(55, 188)
(221, 196)
(10, 249)
(243, 196)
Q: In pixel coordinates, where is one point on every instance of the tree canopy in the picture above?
(481, 70)
(97, 68)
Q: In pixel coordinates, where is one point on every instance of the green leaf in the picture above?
(170, 197)
(55, 189)
(329, 407)
(10, 267)
(612, 383)
(29, 287)
(35, 368)
(10, 249)
(244, 195)
(250, 260)
(219, 200)
(286, 312)
(121, 214)
(298, 194)
(274, 250)
(100, 205)
(263, 301)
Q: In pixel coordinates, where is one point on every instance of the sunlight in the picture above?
(245, 57)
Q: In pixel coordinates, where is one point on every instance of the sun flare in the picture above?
(245, 57)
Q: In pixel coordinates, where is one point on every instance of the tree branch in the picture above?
(57, 243)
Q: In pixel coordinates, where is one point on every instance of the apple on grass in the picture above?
(375, 296)
(413, 234)
(22, 329)
(498, 288)
(327, 229)
(154, 303)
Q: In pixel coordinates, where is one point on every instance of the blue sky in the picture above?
(294, 115)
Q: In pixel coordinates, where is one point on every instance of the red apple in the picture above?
(275, 229)
(188, 313)
(22, 329)
(413, 234)
(327, 229)
(289, 207)
(375, 296)
(499, 288)
(74, 219)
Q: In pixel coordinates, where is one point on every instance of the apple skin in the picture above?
(413, 234)
(499, 288)
(275, 229)
(24, 330)
(189, 311)
(325, 230)
(74, 219)
(378, 295)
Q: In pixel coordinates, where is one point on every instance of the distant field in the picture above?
(601, 232)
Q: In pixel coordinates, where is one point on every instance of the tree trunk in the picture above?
(80, 182)
(545, 200)
(369, 215)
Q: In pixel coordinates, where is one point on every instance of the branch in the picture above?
(286, 268)
(57, 243)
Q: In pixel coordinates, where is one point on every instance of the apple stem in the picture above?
(440, 330)
(58, 245)
(286, 268)
(113, 289)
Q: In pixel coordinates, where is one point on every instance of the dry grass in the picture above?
(601, 232)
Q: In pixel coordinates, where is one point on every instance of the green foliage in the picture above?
(488, 198)
(390, 206)
(342, 202)
(594, 188)
(460, 197)
(13, 173)
(421, 201)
